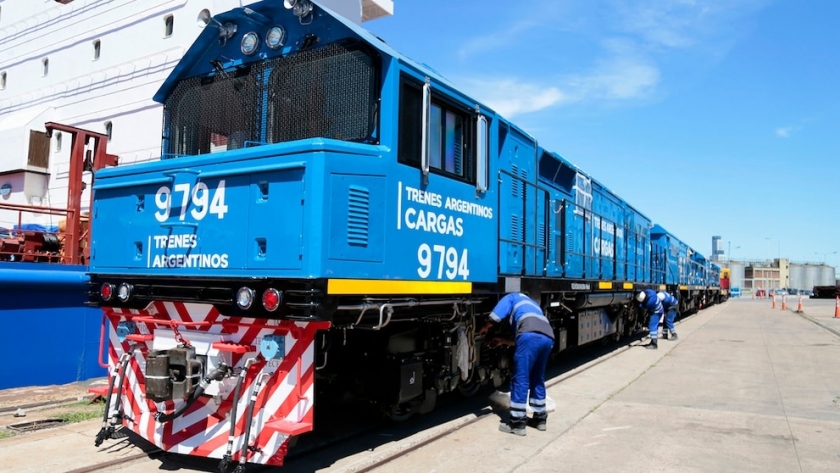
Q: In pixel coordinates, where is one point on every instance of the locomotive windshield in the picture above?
(328, 92)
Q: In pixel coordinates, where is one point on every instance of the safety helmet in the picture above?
(660, 296)
(640, 296)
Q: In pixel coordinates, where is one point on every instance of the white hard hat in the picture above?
(660, 296)
(641, 296)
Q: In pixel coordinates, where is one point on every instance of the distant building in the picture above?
(717, 249)
(779, 274)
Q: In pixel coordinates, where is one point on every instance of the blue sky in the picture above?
(713, 117)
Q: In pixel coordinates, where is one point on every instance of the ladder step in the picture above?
(140, 337)
(233, 347)
(288, 427)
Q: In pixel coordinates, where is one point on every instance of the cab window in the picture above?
(451, 145)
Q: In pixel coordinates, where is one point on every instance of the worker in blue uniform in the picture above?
(670, 305)
(649, 302)
(534, 339)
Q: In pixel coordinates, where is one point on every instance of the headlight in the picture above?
(275, 37)
(244, 297)
(124, 292)
(249, 43)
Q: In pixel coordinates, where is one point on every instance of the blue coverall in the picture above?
(652, 305)
(670, 304)
(534, 340)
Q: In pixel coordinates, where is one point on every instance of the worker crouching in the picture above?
(534, 339)
(650, 303)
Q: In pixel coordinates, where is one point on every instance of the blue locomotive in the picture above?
(330, 216)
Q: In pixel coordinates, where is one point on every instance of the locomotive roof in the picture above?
(557, 157)
(259, 17)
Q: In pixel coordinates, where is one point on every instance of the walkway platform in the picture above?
(745, 388)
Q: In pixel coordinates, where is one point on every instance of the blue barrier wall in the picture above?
(47, 335)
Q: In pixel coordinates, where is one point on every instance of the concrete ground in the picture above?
(745, 388)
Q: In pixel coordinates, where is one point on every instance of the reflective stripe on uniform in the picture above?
(526, 301)
(530, 314)
(537, 405)
(517, 409)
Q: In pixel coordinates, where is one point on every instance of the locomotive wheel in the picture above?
(469, 388)
(399, 412)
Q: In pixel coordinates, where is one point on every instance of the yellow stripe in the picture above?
(662, 287)
(604, 285)
(376, 286)
(683, 288)
(628, 285)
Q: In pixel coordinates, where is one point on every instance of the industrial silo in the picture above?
(826, 276)
(812, 276)
(736, 276)
(797, 277)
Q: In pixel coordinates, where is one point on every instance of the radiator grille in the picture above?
(328, 92)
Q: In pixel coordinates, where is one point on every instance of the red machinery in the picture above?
(725, 275)
(34, 246)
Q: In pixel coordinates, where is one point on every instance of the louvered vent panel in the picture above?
(515, 228)
(541, 234)
(514, 185)
(358, 216)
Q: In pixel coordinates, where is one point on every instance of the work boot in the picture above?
(665, 334)
(652, 345)
(538, 421)
(673, 335)
(515, 427)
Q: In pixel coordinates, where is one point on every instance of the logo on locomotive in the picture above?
(439, 216)
(604, 237)
(175, 250)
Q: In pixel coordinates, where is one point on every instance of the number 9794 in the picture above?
(443, 259)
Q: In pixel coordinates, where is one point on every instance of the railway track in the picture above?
(333, 442)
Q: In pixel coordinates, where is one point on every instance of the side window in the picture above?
(447, 141)
(451, 139)
(168, 26)
(411, 110)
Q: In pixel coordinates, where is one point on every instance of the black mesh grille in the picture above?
(328, 92)
(325, 93)
(212, 114)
